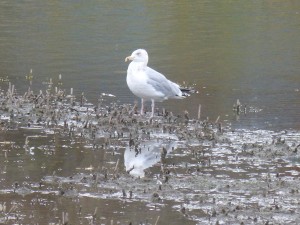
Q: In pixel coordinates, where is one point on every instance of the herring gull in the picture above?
(148, 84)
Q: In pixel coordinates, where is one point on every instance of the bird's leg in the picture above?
(142, 106)
(152, 106)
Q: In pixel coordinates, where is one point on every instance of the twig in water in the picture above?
(134, 108)
(238, 107)
(95, 214)
(199, 112)
(186, 115)
(156, 222)
(65, 218)
(82, 99)
(116, 167)
(132, 168)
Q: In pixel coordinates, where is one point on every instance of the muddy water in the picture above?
(37, 184)
(230, 50)
(61, 162)
(85, 164)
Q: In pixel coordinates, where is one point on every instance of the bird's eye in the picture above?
(138, 53)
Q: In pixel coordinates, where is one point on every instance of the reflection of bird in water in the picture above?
(136, 162)
(149, 84)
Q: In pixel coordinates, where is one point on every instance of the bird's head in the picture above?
(139, 55)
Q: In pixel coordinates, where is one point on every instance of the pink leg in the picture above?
(142, 106)
(152, 105)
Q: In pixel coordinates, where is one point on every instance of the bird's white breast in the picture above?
(137, 82)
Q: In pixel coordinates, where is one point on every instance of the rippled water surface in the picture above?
(230, 49)
(53, 163)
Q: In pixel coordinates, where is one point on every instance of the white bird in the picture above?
(148, 84)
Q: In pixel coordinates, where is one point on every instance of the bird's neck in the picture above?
(138, 65)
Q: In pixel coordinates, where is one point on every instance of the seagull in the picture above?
(147, 83)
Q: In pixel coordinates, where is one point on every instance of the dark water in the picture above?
(25, 175)
(246, 50)
(230, 49)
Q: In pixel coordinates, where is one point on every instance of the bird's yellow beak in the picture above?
(129, 58)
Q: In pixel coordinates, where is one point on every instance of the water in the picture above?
(246, 50)
(231, 50)
(207, 176)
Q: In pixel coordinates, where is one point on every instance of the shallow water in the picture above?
(85, 164)
(53, 163)
(229, 50)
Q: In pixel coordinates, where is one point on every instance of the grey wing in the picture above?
(162, 84)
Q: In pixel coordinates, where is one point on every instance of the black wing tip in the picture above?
(185, 90)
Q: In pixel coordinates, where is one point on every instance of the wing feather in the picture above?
(162, 84)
